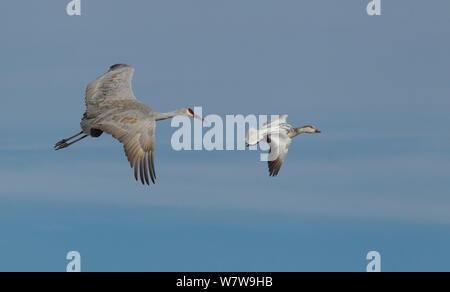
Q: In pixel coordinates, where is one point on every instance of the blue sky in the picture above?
(376, 179)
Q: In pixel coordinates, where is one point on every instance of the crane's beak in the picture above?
(199, 118)
(318, 131)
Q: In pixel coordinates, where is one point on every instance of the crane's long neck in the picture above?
(169, 115)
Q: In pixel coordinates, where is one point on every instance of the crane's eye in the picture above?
(191, 111)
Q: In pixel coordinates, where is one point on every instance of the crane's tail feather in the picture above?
(64, 143)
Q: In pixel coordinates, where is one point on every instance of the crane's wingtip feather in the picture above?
(118, 66)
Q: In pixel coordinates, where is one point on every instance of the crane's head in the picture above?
(188, 112)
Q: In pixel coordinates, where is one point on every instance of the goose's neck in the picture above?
(300, 130)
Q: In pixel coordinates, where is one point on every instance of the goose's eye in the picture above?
(191, 111)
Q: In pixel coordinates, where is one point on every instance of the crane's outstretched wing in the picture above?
(137, 134)
(279, 146)
(113, 86)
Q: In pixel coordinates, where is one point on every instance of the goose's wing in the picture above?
(112, 87)
(275, 122)
(137, 134)
(254, 136)
(279, 146)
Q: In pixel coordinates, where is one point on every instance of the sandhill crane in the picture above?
(278, 133)
(113, 108)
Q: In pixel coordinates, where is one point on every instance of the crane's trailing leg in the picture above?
(63, 143)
